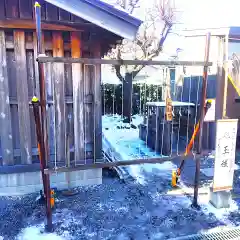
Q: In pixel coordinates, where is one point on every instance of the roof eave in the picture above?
(100, 17)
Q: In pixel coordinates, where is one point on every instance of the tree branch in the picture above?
(118, 68)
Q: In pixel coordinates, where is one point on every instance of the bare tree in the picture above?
(148, 44)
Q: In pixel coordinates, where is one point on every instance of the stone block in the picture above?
(24, 183)
(92, 174)
(221, 199)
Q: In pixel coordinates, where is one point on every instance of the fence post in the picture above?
(46, 182)
(201, 121)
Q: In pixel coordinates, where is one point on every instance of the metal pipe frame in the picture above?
(97, 165)
(43, 59)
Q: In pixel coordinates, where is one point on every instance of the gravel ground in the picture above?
(113, 210)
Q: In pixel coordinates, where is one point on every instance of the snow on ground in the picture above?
(36, 233)
(122, 142)
(114, 210)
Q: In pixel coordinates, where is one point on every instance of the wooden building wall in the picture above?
(73, 92)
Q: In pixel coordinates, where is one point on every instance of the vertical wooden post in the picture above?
(59, 97)
(5, 114)
(220, 80)
(225, 78)
(22, 92)
(78, 104)
(44, 155)
(88, 110)
(98, 104)
(201, 120)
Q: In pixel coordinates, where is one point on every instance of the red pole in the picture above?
(46, 182)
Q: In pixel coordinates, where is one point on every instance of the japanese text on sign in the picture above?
(225, 154)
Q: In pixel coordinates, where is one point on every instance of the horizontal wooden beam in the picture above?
(48, 46)
(20, 168)
(100, 164)
(30, 24)
(120, 62)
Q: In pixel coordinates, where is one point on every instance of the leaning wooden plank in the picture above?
(22, 94)
(5, 115)
(59, 97)
(97, 105)
(78, 105)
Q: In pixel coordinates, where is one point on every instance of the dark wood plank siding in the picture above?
(23, 101)
(64, 15)
(97, 104)
(12, 8)
(2, 10)
(25, 9)
(78, 105)
(5, 115)
(70, 97)
(51, 12)
(59, 97)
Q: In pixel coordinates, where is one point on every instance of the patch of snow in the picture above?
(121, 142)
(221, 214)
(36, 233)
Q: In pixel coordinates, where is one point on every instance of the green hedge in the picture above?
(112, 97)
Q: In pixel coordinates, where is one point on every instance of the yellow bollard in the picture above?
(174, 178)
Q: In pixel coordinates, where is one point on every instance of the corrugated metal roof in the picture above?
(103, 15)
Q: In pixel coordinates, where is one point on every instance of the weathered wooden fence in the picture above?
(71, 97)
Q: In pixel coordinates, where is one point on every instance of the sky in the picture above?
(198, 14)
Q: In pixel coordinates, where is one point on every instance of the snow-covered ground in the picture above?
(121, 142)
(145, 207)
(113, 210)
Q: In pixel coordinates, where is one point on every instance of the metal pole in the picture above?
(201, 121)
(46, 182)
(36, 113)
(225, 77)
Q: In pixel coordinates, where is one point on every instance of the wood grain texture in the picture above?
(22, 93)
(26, 9)
(59, 97)
(12, 9)
(50, 112)
(78, 104)
(5, 114)
(51, 12)
(64, 15)
(2, 10)
(98, 104)
(88, 111)
(30, 24)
